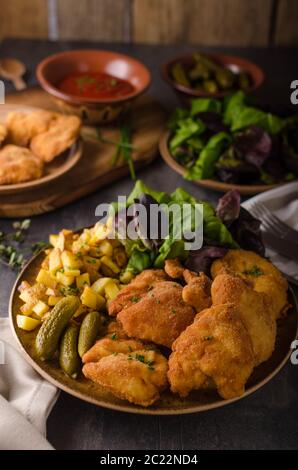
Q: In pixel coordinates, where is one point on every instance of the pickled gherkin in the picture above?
(47, 339)
(69, 359)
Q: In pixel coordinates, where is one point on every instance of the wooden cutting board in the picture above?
(94, 170)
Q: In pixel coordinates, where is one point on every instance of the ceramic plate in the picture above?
(169, 404)
(58, 167)
(210, 184)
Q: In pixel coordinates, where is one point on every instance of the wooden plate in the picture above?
(169, 404)
(61, 165)
(247, 189)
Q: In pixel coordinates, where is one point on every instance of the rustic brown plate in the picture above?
(248, 189)
(169, 404)
(61, 165)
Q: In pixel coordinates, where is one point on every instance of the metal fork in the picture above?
(273, 224)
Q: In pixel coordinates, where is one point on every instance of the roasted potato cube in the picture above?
(72, 272)
(100, 284)
(110, 264)
(83, 280)
(111, 290)
(64, 240)
(55, 261)
(27, 308)
(91, 299)
(64, 280)
(54, 299)
(81, 311)
(71, 261)
(99, 232)
(53, 240)
(27, 323)
(40, 308)
(106, 248)
(45, 278)
(120, 257)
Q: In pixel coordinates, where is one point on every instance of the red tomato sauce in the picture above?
(95, 85)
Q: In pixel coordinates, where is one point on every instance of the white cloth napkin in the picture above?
(283, 202)
(26, 399)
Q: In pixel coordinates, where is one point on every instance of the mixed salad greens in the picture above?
(227, 226)
(234, 142)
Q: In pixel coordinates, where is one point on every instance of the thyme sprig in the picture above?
(12, 252)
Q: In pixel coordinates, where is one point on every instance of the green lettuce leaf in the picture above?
(205, 164)
(201, 105)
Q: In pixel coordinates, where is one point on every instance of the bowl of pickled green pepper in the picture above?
(211, 75)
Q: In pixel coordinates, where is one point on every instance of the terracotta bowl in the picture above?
(232, 62)
(93, 111)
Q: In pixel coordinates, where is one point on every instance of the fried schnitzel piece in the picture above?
(138, 377)
(60, 135)
(115, 327)
(3, 133)
(255, 311)
(18, 164)
(107, 346)
(174, 269)
(216, 349)
(158, 314)
(22, 127)
(260, 272)
(137, 288)
(197, 292)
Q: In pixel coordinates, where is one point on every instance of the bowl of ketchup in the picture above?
(97, 85)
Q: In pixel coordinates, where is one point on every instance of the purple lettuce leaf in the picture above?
(228, 207)
(201, 260)
(253, 145)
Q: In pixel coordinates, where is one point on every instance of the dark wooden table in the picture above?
(266, 420)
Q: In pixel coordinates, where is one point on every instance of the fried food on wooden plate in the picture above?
(18, 164)
(22, 127)
(263, 276)
(152, 309)
(255, 310)
(138, 377)
(3, 133)
(215, 350)
(60, 135)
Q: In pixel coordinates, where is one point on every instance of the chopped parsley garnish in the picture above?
(173, 311)
(254, 271)
(115, 354)
(114, 82)
(135, 299)
(114, 336)
(141, 358)
(157, 301)
(69, 290)
(207, 338)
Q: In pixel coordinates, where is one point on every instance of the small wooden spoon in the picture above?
(13, 69)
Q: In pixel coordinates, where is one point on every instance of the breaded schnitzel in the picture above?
(156, 312)
(18, 164)
(3, 133)
(255, 311)
(215, 349)
(22, 127)
(60, 135)
(260, 272)
(138, 377)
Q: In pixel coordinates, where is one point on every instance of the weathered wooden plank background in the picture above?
(207, 22)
